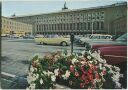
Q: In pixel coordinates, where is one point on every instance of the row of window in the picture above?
(13, 27)
(66, 15)
(71, 19)
(72, 26)
(11, 22)
(89, 17)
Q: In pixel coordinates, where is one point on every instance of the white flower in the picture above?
(83, 52)
(32, 69)
(33, 77)
(104, 68)
(49, 73)
(117, 69)
(32, 86)
(56, 71)
(89, 57)
(74, 60)
(100, 65)
(68, 54)
(29, 79)
(83, 62)
(27, 88)
(91, 62)
(103, 79)
(118, 85)
(41, 81)
(67, 74)
(53, 78)
(37, 76)
(64, 77)
(45, 72)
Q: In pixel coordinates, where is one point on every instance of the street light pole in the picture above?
(72, 39)
(92, 27)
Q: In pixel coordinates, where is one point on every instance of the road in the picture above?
(17, 53)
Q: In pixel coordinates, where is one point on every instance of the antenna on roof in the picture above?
(13, 15)
(65, 7)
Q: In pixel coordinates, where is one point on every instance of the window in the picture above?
(85, 27)
(71, 26)
(77, 26)
(67, 27)
(81, 25)
(102, 25)
(94, 25)
(89, 25)
(55, 27)
(97, 26)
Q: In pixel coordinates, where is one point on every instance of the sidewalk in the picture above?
(9, 81)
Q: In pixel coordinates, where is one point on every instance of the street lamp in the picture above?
(92, 27)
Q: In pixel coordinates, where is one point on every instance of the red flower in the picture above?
(76, 74)
(83, 77)
(86, 81)
(82, 85)
(72, 68)
(104, 72)
(97, 76)
(90, 71)
(83, 70)
(34, 64)
(95, 68)
(90, 77)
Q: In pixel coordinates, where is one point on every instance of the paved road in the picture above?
(17, 53)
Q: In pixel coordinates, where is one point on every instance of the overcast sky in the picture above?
(26, 7)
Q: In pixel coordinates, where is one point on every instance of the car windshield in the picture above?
(122, 38)
(102, 37)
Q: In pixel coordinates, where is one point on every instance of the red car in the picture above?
(114, 54)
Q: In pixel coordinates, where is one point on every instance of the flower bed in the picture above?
(87, 70)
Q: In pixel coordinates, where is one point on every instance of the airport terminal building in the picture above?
(110, 19)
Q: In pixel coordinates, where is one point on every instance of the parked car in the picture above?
(95, 38)
(28, 37)
(78, 38)
(53, 39)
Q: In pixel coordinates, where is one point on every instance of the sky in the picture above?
(27, 7)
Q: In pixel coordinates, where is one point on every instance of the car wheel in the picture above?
(63, 43)
(41, 43)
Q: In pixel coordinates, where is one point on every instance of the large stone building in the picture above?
(101, 19)
(10, 26)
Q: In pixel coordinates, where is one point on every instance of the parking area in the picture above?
(16, 54)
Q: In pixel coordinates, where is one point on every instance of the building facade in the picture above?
(79, 21)
(10, 26)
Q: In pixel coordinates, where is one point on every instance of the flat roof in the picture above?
(74, 10)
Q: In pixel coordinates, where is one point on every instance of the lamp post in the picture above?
(72, 40)
(92, 27)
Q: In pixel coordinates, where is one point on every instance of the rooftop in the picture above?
(69, 10)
